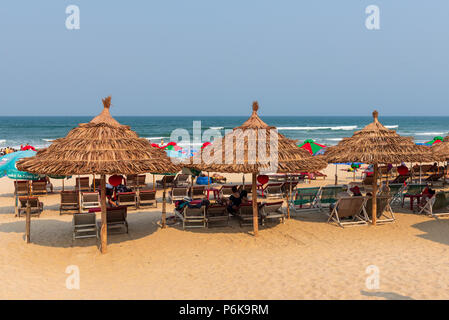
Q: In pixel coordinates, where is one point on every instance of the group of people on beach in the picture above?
(7, 150)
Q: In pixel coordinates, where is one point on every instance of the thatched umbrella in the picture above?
(102, 146)
(255, 147)
(376, 144)
(441, 152)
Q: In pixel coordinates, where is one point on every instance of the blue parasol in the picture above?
(8, 166)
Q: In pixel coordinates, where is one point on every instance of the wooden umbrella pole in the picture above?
(374, 206)
(336, 175)
(94, 181)
(154, 183)
(164, 220)
(28, 222)
(104, 226)
(255, 211)
(286, 197)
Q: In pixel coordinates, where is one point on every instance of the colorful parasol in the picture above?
(435, 140)
(311, 146)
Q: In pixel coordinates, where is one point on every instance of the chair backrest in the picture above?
(84, 219)
(194, 212)
(182, 177)
(434, 177)
(272, 206)
(441, 201)
(168, 179)
(395, 188)
(226, 189)
(147, 195)
(350, 206)
(69, 197)
(141, 178)
(39, 185)
(179, 191)
(246, 209)
(126, 196)
(382, 202)
(273, 188)
(308, 191)
(131, 180)
(21, 186)
(369, 180)
(82, 182)
(400, 179)
(116, 214)
(34, 201)
(90, 196)
(198, 190)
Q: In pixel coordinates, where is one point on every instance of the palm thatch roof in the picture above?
(376, 144)
(102, 146)
(238, 151)
(441, 150)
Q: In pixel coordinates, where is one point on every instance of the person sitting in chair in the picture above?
(233, 204)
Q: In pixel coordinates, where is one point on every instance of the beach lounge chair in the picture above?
(89, 200)
(217, 213)
(39, 187)
(194, 216)
(246, 214)
(272, 190)
(226, 190)
(368, 181)
(181, 180)
(168, 181)
(69, 201)
(115, 218)
(179, 193)
(84, 225)
(146, 197)
(131, 181)
(328, 195)
(436, 177)
(306, 198)
(127, 199)
(384, 212)
(141, 181)
(272, 211)
(22, 188)
(437, 206)
(198, 192)
(82, 184)
(349, 211)
(35, 206)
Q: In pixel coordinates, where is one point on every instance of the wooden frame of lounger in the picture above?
(39, 187)
(84, 223)
(246, 215)
(116, 218)
(181, 180)
(70, 200)
(82, 184)
(198, 192)
(349, 207)
(386, 212)
(272, 190)
(168, 181)
(226, 190)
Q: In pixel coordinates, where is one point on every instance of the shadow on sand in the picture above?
(435, 230)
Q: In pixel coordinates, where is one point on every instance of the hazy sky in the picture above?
(209, 57)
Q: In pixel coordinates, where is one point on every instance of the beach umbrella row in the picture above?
(250, 133)
(104, 147)
(375, 144)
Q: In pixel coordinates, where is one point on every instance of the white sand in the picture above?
(305, 258)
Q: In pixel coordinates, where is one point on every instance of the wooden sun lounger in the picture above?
(306, 198)
(115, 219)
(90, 200)
(146, 197)
(36, 207)
(39, 187)
(181, 180)
(193, 217)
(168, 181)
(22, 188)
(178, 193)
(226, 190)
(400, 179)
(82, 184)
(245, 214)
(217, 213)
(84, 226)
(198, 192)
(69, 201)
(349, 207)
(272, 190)
(328, 195)
(127, 199)
(272, 211)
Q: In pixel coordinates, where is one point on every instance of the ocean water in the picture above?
(40, 131)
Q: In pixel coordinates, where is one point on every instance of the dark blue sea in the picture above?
(40, 131)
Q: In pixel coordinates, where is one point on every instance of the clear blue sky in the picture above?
(214, 57)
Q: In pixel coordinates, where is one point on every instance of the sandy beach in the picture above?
(305, 258)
